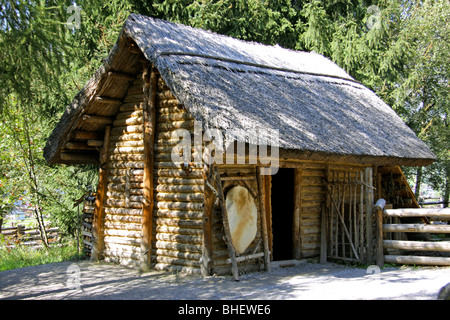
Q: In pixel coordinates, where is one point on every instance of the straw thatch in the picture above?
(241, 87)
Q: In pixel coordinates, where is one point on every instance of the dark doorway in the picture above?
(282, 213)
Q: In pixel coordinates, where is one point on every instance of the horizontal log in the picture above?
(131, 106)
(192, 188)
(191, 197)
(179, 231)
(124, 165)
(130, 143)
(180, 205)
(123, 233)
(129, 114)
(165, 95)
(107, 100)
(178, 254)
(95, 143)
(417, 245)
(175, 117)
(182, 247)
(126, 150)
(79, 157)
(123, 204)
(128, 121)
(135, 187)
(123, 172)
(174, 173)
(122, 225)
(122, 240)
(97, 119)
(177, 261)
(127, 129)
(180, 222)
(87, 135)
(419, 212)
(178, 238)
(121, 75)
(123, 218)
(248, 257)
(122, 179)
(71, 145)
(163, 180)
(125, 211)
(427, 228)
(179, 213)
(126, 157)
(417, 260)
(187, 124)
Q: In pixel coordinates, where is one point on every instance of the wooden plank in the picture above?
(149, 116)
(417, 260)
(417, 245)
(417, 212)
(208, 196)
(426, 228)
(231, 251)
(296, 245)
(98, 245)
(323, 235)
(263, 216)
(379, 206)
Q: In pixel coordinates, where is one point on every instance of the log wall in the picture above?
(178, 192)
(124, 193)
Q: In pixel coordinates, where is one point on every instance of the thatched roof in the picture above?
(237, 86)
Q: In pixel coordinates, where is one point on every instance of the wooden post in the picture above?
(226, 227)
(369, 212)
(297, 249)
(98, 243)
(379, 206)
(263, 219)
(323, 235)
(149, 117)
(208, 194)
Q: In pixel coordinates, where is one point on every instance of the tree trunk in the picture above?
(447, 187)
(419, 174)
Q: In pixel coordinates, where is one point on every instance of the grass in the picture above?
(23, 256)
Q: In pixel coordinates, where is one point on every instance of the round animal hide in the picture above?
(242, 217)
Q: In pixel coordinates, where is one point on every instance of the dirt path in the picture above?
(98, 281)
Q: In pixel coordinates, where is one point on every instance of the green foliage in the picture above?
(397, 48)
(23, 256)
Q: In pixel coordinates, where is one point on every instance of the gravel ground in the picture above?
(85, 280)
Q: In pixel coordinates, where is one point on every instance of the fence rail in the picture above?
(433, 214)
(28, 236)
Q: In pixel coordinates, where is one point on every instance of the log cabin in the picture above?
(219, 156)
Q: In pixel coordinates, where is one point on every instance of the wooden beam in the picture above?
(107, 100)
(95, 143)
(417, 212)
(379, 206)
(226, 226)
(418, 260)
(417, 245)
(98, 243)
(263, 218)
(79, 157)
(78, 146)
(426, 228)
(208, 199)
(121, 75)
(98, 119)
(87, 135)
(150, 78)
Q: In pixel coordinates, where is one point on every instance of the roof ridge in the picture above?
(253, 64)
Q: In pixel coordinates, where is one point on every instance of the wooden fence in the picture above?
(28, 236)
(388, 215)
